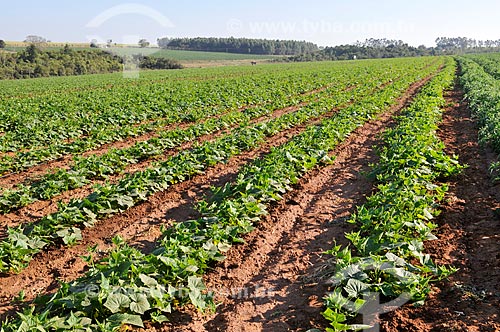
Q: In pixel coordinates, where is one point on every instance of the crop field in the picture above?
(277, 197)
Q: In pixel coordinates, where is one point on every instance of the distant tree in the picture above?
(147, 62)
(239, 45)
(143, 43)
(93, 43)
(30, 54)
(163, 42)
(33, 39)
(2, 43)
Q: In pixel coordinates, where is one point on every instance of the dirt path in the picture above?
(273, 282)
(469, 238)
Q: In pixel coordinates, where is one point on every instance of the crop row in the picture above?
(288, 86)
(482, 92)
(24, 241)
(489, 62)
(62, 85)
(388, 259)
(41, 121)
(128, 285)
(174, 107)
(86, 169)
(93, 167)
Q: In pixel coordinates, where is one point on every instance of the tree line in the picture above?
(34, 62)
(466, 45)
(239, 45)
(387, 48)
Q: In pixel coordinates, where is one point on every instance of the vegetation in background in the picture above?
(143, 43)
(188, 56)
(386, 48)
(239, 45)
(33, 62)
(147, 62)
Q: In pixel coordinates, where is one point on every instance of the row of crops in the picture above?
(43, 128)
(480, 79)
(387, 264)
(130, 286)
(40, 128)
(21, 243)
(83, 170)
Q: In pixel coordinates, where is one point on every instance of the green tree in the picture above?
(143, 43)
(2, 43)
(33, 39)
(30, 54)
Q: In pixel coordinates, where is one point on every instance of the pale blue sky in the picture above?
(326, 23)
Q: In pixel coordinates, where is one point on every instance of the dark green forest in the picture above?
(239, 45)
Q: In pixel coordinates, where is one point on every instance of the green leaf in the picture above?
(191, 268)
(158, 318)
(121, 319)
(148, 281)
(359, 327)
(70, 235)
(139, 303)
(428, 215)
(398, 261)
(224, 247)
(115, 302)
(196, 286)
(196, 283)
(355, 288)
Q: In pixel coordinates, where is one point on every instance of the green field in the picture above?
(142, 187)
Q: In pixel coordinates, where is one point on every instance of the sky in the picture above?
(326, 23)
